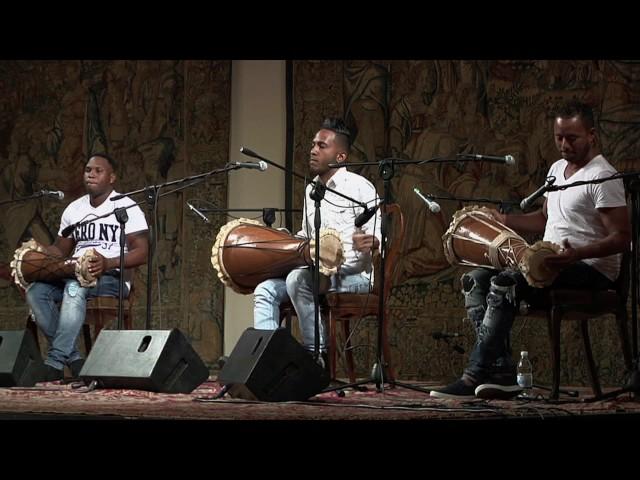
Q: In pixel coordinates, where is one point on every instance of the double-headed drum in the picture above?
(31, 264)
(475, 238)
(246, 253)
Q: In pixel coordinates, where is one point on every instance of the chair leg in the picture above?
(86, 332)
(98, 325)
(348, 351)
(593, 373)
(332, 344)
(386, 351)
(623, 333)
(555, 317)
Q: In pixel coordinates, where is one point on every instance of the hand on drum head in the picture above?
(500, 217)
(97, 265)
(567, 256)
(363, 242)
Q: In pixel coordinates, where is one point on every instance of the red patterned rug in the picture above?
(399, 403)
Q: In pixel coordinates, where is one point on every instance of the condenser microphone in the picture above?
(433, 206)
(261, 165)
(57, 194)
(527, 202)
(198, 212)
(365, 216)
(506, 159)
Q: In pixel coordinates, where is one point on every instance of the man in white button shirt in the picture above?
(330, 145)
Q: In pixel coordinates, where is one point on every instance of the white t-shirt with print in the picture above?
(572, 213)
(104, 233)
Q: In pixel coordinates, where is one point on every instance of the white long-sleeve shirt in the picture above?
(340, 214)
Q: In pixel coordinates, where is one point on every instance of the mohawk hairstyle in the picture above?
(338, 126)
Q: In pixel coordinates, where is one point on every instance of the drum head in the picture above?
(331, 251)
(217, 253)
(19, 261)
(533, 267)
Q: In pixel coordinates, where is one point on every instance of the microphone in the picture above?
(527, 202)
(365, 216)
(433, 206)
(57, 194)
(507, 159)
(68, 229)
(198, 212)
(261, 165)
(249, 153)
(444, 335)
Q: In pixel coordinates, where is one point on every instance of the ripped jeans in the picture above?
(59, 309)
(269, 294)
(491, 299)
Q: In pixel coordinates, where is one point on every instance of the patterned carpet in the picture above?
(56, 400)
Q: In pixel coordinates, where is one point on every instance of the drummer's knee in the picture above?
(38, 291)
(503, 288)
(475, 286)
(298, 277)
(271, 291)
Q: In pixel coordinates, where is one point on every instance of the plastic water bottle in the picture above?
(525, 375)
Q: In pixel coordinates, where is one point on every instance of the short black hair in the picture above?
(338, 126)
(109, 159)
(576, 108)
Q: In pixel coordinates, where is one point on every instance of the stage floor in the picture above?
(72, 401)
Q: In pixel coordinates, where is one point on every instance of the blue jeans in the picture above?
(59, 309)
(269, 294)
(492, 299)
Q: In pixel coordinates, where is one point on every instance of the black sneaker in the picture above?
(498, 386)
(75, 367)
(458, 390)
(53, 374)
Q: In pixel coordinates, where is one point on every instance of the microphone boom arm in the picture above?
(251, 153)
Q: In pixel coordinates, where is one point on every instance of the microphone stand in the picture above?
(268, 214)
(39, 194)
(387, 171)
(122, 217)
(120, 213)
(317, 194)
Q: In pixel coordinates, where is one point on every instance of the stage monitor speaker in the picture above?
(154, 360)
(271, 366)
(20, 361)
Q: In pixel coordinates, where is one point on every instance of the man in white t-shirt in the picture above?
(61, 325)
(589, 221)
(331, 144)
